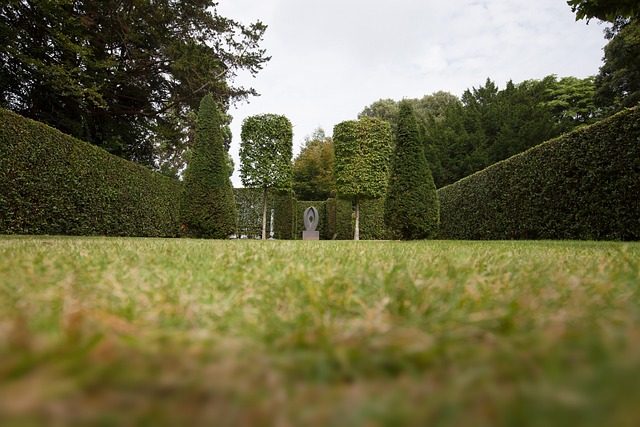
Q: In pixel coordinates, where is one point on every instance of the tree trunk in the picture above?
(356, 233)
(264, 215)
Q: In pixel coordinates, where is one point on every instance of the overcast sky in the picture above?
(332, 58)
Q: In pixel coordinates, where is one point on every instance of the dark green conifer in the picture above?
(412, 209)
(208, 208)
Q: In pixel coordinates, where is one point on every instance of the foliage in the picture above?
(434, 105)
(313, 168)
(618, 82)
(284, 204)
(583, 185)
(250, 209)
(172, 148)
(339, 219)
(208, 208)
(605, 10)
(124, 75)
(489, 124)
(411, 208)
(266, 151)
(572, 101)
(204, 332)
(362, 150)
(384, 109)
(51, 183)
(372, 219)
(265, 155)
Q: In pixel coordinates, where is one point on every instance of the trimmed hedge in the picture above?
(284, 204)
(372, 225)
(51, 183)
(249, 207)
(584, 185)
(341, 219)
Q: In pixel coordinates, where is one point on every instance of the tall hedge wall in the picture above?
(51, 183)
(372, 220)
(583, 185)
(339, 219)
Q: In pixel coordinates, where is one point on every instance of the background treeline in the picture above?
(462, 135)
(488, 124)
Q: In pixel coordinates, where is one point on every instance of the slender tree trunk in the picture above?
(264, 215)
(356, 233)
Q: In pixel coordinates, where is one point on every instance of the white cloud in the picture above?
(332, 58)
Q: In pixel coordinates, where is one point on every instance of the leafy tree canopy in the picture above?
(605, 10)
(313, 168)
(124, 75)
(618, 82)
(266, 151)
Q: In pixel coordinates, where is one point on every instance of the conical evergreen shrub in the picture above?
(208, 208)
(412, 210)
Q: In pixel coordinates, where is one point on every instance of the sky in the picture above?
(332, 58)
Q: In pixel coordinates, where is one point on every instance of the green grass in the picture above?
(110, 331)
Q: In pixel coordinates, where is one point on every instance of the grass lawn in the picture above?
(109, 331)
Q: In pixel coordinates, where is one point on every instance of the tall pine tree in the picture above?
(208, 206)
(412, 209)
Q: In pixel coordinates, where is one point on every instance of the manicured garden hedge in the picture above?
(372, 220)
(583, 185)
(249, 207)
(51, 183)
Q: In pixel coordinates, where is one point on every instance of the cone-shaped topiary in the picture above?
(208, 208)
(412, 210)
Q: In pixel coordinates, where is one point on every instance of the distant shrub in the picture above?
(583, 185)
(51, 183)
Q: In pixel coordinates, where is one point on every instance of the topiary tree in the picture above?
(362, 150)
(265, 156)
(208, 208)
(411, 209)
